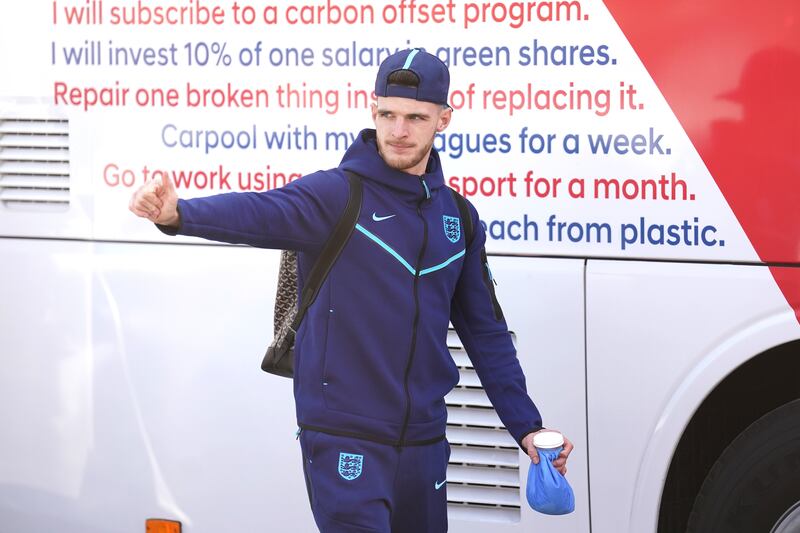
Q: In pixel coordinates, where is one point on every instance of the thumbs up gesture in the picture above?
(157, 201)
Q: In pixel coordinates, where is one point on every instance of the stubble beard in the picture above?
(403, 163)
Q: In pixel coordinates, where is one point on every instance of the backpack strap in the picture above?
(466, 216)
(333, 247)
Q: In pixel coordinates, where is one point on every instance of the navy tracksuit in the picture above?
(371, 358)
(358, 485)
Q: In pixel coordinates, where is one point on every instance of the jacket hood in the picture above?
(363, 158)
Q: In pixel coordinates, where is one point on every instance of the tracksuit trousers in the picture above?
(359, 486)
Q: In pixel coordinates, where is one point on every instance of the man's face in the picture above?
(405, 130)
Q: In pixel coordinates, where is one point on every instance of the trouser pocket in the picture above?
(349, 482)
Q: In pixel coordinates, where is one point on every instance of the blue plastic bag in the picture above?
(548, 491)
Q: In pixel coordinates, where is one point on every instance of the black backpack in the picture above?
(279, 359)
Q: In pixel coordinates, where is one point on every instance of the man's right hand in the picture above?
(156, 201)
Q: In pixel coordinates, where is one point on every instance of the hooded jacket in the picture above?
(371, 356)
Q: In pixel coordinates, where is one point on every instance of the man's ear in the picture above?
(444, 119)
(374, 110)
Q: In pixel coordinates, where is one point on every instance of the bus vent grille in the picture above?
(34, 163)
(483, 478)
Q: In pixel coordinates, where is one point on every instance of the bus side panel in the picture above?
(46, 402)
(542, 300)
(659, 338)
(132, 389)
(208, 437)
(545, 301)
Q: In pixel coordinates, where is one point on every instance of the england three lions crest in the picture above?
(350, 465)
(452, 228)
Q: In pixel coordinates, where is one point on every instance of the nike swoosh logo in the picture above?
(438, 485)
(376, 218)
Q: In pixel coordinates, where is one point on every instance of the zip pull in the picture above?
(297, 433)
(427, 190)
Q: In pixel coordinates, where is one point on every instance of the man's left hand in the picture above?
(561, 461)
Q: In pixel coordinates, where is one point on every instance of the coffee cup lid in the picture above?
(548, 439)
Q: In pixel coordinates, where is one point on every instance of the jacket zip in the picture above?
(402, 440)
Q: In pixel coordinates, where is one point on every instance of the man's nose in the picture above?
(399, 128)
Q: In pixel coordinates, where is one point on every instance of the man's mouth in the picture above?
(400, 146)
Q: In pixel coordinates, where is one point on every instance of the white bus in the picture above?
(636, 169)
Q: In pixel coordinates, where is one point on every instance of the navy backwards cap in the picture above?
(432, 73)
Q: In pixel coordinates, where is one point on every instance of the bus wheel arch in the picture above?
(725, 426)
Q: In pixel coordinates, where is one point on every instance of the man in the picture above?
(372, 366)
